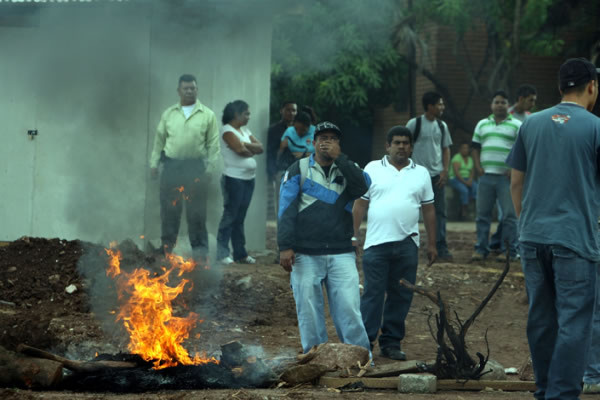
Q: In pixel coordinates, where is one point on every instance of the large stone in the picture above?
(526, 370)
(417, 383)
(494, 371)
(303, 373)
(340, 355)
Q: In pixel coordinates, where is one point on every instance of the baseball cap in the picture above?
(327, 126)
(575, 72)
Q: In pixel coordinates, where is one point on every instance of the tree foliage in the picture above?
(510, 28)
(337, 56)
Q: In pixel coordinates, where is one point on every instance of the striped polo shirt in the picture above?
(496, 141)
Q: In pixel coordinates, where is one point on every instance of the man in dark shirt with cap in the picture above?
(555, 187)
(315, 235)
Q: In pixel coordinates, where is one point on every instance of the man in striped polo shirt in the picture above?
(492, 141)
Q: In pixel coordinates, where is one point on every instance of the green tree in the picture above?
(337, 56)
(511, 27)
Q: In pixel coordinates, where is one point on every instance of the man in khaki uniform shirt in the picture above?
(187, 143)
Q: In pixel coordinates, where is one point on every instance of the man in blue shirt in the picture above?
(555, 187)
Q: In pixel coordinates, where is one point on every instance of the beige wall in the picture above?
(93, 79)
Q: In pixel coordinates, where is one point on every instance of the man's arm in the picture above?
(429, 221)
(213, 149)
(517, 179)
(359, 209)
(445, 163)
(159, 144)
(289, 194)
(476, 159)
(358, 181)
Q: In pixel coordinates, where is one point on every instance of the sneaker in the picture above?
(476, 256)
(393, 353)
(246, 260)
(225, 260)
(591, 388)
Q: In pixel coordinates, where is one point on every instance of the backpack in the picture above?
(418, 130)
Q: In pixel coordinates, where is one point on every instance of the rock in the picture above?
(71, 289)
(12, 269)
(340, 355)
(54, 278)
(245, 283)
(303, 373)
(526, 370)
(496, 371)
(417, 383)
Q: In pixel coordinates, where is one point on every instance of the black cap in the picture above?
(575, 72)
(327, 126)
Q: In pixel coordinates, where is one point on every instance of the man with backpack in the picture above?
(315, 238)
(431, 149)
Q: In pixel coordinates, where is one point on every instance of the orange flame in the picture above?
(154, 332)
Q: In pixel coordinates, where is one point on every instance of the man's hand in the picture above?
(287, 258)
(154, 173)
(431, 254)
(332, 149)
(443, 178)
(480, 171)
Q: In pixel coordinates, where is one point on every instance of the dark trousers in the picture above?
(439, 196)
(184, 181)
(237, 194)
(383, 266)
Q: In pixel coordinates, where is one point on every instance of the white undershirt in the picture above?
(187, 110)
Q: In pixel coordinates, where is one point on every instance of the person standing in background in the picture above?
(431, 149)
(526, 98)
(462, 177)
(238, 148)
(187, 142)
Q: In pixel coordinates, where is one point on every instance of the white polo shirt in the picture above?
(395, 198)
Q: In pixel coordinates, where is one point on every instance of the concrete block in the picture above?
(417, 383)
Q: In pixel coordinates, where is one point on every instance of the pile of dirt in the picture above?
(46, 281)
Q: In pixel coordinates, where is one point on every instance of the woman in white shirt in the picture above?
(238, 148)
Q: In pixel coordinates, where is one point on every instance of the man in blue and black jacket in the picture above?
(315, 236)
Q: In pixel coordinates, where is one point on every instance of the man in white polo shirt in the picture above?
(492, 141)
(399, 189)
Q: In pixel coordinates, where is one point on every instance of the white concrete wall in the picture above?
(94, 80)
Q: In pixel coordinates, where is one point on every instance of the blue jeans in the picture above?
(383, 266)
(338, 273)
(439, 198)
(592, 371)
(561, 287)
(491, 188)
(466, 193)
(237, 194)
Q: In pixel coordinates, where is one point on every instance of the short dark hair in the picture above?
(186, 78)
(399, 130)
(286, 102)
(526, 91)
(238, 106)
(500, 93)
(310, 111)
(431, 98)
(575, 89)
(303, 118)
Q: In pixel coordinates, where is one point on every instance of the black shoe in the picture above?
(394, 353)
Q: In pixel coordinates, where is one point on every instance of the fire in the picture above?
(154, 332)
